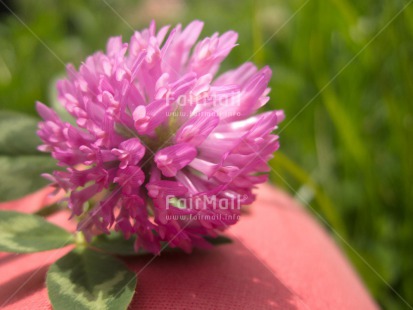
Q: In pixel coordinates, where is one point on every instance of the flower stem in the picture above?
(80, 240)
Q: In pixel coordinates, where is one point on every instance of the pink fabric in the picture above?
(32, 202)
(280, 259)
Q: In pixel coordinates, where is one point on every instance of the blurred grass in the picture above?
(348, 154)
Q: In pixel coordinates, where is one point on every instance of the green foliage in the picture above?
(349, 64)
(27, 233)
(116, 244)
(18, 134)
(21, 165)
(220, 240)
(348, 153)
(85, 279)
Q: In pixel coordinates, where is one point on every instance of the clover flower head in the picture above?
(161, 148)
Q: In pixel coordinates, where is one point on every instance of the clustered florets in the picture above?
(158, 142)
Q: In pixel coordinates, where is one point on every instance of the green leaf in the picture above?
(218, 240)
(27, 233)
(85, 279)
(21, 175)
(49, 210)
(115, 243)
(18, 134)
(21, 165)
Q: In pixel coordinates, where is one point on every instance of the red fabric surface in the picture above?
(280, 259)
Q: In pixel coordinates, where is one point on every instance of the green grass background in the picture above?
(342, 73)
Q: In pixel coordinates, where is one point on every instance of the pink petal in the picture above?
(173, 158)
